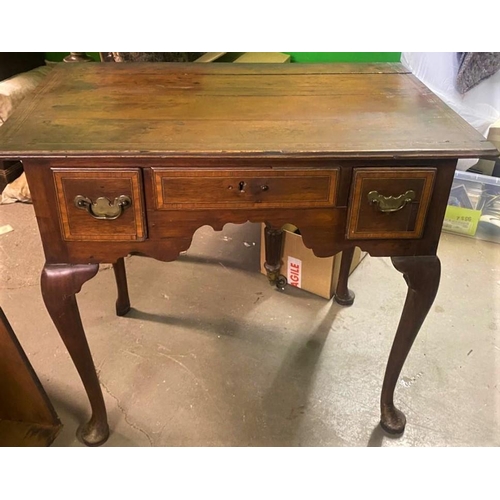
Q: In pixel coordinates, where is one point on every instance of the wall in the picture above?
(300, 57)
(309, 57)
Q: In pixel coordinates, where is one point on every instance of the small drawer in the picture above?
(389, 203)
(100, 204)
(256, 188)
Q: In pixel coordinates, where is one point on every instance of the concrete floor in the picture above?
(211, 355)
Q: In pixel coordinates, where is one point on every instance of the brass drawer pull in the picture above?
(390, 203)
(102, 208)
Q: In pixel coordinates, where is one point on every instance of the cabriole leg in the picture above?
(60, 284)
(273, 240)
(343, 295)
(422, 277)
(123, 301)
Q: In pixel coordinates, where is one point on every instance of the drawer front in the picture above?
(100, 204)
(197, 188)
(389, 203)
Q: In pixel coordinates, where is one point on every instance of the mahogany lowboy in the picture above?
(134, 158)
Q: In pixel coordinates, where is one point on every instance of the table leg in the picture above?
(273, 239)
(422, 277)
(343, 295)
(123, 301)
(60, 284)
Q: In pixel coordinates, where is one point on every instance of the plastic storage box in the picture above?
(474, 206)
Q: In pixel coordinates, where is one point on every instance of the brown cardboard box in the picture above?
(494, 134)
(318, 275)
(244, 57)
(486, 166)
(263, 57)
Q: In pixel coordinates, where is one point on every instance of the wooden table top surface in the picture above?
(296, 110)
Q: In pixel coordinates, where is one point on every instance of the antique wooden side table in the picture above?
(134, 158)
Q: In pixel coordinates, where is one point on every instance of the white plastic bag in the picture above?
(17, 190)
(480, 106)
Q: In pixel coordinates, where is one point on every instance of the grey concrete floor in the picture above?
(211, 355)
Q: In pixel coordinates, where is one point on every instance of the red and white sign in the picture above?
(294, 272)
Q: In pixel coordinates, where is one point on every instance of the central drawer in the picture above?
(253, 188)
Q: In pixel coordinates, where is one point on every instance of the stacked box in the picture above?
(474, 206)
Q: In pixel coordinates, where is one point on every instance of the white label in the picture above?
(294, 272)
(458, 226)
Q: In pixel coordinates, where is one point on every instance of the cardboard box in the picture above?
(486, 167)
(263, 57)
(211, 57)
(244, 57)
(318, 275)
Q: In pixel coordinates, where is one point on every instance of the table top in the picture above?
(222, 109)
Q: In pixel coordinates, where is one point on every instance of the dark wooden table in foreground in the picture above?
(134, 158)
(27, 417)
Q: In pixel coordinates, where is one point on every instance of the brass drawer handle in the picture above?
(102, 208)
(390, 203)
